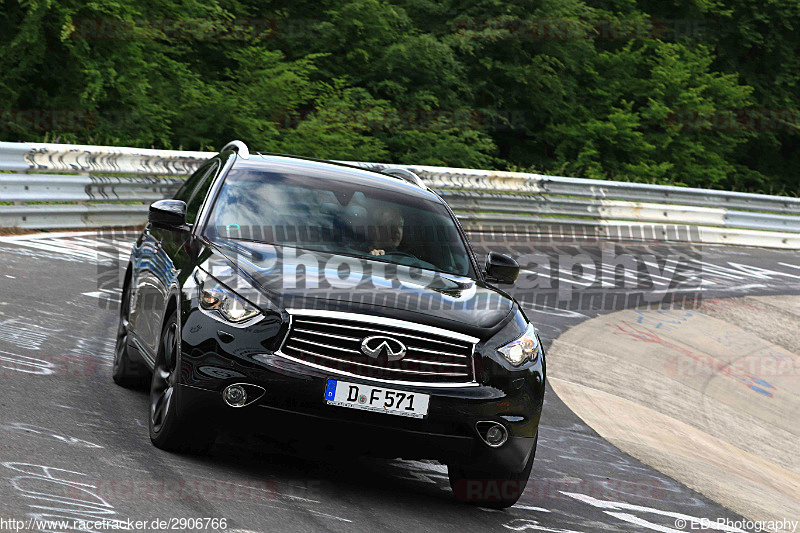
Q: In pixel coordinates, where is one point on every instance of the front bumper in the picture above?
(293, 406)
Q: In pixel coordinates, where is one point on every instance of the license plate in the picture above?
(376, 399)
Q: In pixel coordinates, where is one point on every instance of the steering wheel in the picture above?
(404, 254)
(419, 262)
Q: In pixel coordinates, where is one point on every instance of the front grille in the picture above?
(333, 340)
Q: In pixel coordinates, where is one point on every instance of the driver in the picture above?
(387, 231)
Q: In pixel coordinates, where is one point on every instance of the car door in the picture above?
(159, 261)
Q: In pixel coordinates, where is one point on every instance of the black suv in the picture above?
(323, 302)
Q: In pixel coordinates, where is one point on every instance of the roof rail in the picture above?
(405, 174)
(239, 147)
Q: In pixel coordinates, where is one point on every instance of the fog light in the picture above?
(495, 435)
(492, 433)
(235, 396)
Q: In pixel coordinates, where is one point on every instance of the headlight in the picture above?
(523, 349)
(216, 297)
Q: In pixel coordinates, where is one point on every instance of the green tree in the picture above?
(561, 87)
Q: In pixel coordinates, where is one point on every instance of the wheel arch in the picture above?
(172, 305)
(128, 277)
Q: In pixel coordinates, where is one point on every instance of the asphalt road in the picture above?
(74, 445)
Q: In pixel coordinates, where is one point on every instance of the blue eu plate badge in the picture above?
(330, 391)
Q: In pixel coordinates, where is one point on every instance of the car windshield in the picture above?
(352, 217)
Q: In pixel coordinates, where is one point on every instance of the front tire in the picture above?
(174, 426)
(492, 488)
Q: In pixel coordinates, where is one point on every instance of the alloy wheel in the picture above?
(164, 378)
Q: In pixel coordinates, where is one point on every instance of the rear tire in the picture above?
(127, 371)
(174, 426)
(492, 488)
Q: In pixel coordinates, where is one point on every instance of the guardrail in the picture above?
(77, 186)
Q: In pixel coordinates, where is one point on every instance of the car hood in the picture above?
(301, 279)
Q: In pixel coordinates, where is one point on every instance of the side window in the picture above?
(190, 184)
(198, 192)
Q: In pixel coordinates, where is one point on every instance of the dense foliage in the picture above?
(692, 92)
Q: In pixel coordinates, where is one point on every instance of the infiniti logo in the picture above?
(376, 345)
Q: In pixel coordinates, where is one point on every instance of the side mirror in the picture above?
(501, 268)
(168, 213)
